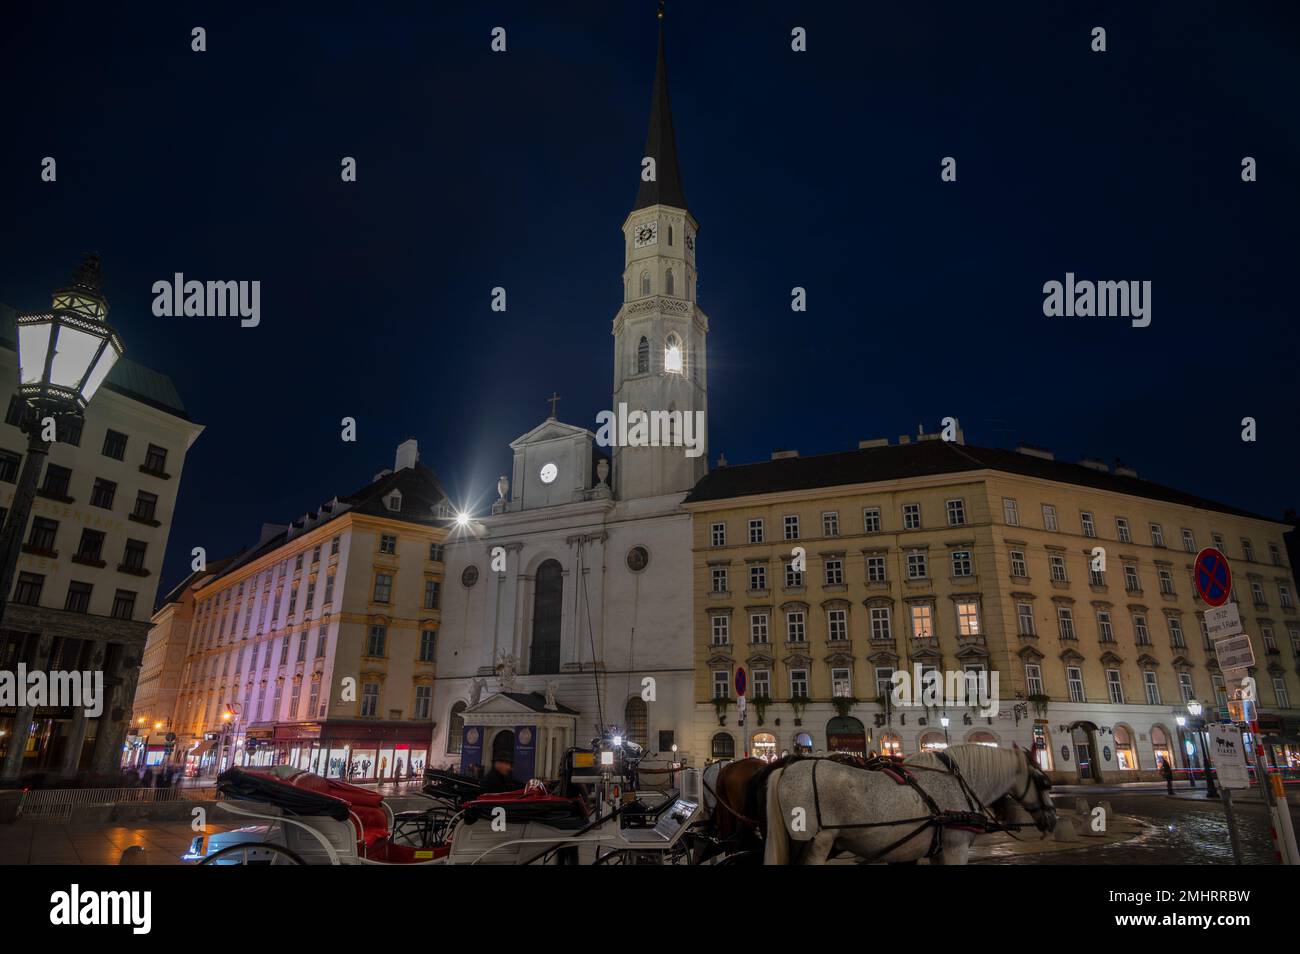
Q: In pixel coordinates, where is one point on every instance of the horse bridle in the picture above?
(1037, 778)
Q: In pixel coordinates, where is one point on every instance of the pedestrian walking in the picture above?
(1167, 774)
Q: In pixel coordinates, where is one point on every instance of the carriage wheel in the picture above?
(279, 855)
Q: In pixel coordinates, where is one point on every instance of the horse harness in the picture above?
(978, 818)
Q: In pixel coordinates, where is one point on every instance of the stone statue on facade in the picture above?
(507, 669)
(551, 689)
(475, 691)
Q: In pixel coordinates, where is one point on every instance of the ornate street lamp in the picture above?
(1202, 737)
(64, 355)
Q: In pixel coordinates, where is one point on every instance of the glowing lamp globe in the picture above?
(65, 354)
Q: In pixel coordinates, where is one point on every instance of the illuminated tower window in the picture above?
(673, 354)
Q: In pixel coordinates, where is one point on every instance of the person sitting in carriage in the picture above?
(499, 779)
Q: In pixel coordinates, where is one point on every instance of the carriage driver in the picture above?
(499, 779)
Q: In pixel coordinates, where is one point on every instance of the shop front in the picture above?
(352, 751)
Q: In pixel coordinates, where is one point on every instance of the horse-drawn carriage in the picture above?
(305, 819)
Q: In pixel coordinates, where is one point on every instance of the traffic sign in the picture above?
(1235, 652)
(1229, 755)
(1212, 578)
(1222, 621)
(741, 681)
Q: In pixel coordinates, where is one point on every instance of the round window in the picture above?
(637, 558)
(469, 576)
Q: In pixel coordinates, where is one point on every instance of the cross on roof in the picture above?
(554, 399)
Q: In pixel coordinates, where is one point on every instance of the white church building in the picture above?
(568, 609)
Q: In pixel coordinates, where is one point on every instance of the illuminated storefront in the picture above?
(354, 751)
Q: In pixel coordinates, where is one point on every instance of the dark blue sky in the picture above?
(818, 169)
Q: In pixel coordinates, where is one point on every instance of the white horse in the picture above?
(871, 815)
(709, 783)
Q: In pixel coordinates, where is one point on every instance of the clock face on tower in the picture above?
(549, 473)
(647, 234)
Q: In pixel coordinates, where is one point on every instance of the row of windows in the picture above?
(955, 513)
(102, 495)
(255, 710)
(966, 619)
(69, 432)
(842, 684)
(30, 586)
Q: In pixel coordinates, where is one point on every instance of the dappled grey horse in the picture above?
(881, 816)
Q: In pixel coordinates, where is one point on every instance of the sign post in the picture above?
(1212, 578)
(1230, 761)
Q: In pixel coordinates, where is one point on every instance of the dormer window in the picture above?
(394, 501)
(673, 354)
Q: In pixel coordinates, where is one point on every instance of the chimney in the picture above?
(782, 454)
(874, 442)
(408, 452)
(1029, 450)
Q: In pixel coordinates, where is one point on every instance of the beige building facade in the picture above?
(316, 648)
(938, 555)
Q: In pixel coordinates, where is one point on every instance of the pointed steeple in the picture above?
(661, 144)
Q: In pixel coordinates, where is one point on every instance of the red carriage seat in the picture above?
(365, 804)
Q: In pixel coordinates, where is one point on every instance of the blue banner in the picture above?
(525, 752)
(471, 749)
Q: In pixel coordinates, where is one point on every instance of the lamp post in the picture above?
(1196, 709)
(943, 721)
(64, 355)
(1187, 759)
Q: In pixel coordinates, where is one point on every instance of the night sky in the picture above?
(818, 169)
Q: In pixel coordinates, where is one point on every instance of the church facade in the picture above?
(568, 609)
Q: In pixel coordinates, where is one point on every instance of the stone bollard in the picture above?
(1065, 830)
(1081, 805)
(134, 855)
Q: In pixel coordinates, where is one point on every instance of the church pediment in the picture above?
(551, 430)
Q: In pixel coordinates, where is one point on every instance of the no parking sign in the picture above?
(1212, 578)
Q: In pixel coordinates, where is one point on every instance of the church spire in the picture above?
(660, 144)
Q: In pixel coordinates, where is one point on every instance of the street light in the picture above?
(64, 355)
(1195, 708)
(943, 721)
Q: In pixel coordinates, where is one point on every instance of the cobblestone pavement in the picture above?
(1180, 830)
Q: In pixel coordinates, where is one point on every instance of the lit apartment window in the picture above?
(1122, 531)
(956, 513)
(968, 618)
(922, 621)
(870, 517)
(911, 516)
(831, 523)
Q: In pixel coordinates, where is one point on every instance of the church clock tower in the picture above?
(660, 333)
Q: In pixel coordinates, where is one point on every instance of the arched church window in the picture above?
(455, 728)
(673, 354)
(643, 356)
(634, 721)
(645, 284)
(670, 235)
(548, 602)
(668, 285)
